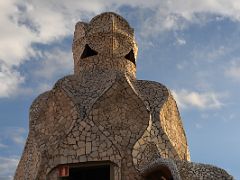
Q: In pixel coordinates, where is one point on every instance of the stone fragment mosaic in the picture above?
(103, 117)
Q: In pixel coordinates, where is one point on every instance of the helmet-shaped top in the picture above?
(107, 42)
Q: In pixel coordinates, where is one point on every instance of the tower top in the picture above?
(107, 22)
(106, 42)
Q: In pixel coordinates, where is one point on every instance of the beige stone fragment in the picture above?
(88, 147)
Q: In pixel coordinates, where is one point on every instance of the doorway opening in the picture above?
(161, 173)
(90, 171)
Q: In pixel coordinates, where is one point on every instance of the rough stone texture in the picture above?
(196, 171)
(102, 113)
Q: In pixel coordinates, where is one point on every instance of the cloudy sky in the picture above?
(193, 47)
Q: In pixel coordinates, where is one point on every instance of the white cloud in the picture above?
(14, 134)
(3, 145)
(192, 99)
(55, 62)
(18, 136)
(7, 167)
(198, 126)
(10, 79)
(43, 87)
(233, 71)
(24, 23)
(14, 137)
(180, 41)
(15, 39)
(211, 53)
(176, 15)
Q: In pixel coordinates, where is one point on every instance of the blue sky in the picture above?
(190, 46)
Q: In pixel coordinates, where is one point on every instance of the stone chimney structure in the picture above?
(101, 123)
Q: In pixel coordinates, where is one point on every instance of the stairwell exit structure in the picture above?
(101, 123)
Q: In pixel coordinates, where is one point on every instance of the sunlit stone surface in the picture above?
(103, 115)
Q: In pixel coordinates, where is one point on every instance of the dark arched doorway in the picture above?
(160, 173)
